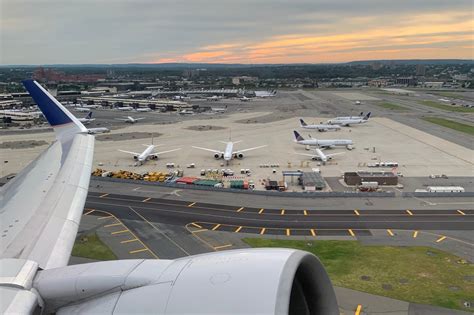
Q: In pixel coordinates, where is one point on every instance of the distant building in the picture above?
(243, 79)
(51, 75)
(406, 81)
(382, 178)
(420, 70)
(433, 84)
(378, 82)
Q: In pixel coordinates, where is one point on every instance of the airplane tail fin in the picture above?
(63, 122)
(367, 116)
(298, 137)
(89, 116)
(361, 114)
(302, 122)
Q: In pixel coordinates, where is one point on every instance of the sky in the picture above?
(237, 31)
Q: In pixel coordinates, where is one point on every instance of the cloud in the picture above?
(248, 31)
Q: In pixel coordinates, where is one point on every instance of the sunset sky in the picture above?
(238, 31)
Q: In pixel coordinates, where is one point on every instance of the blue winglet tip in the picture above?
(53, 113)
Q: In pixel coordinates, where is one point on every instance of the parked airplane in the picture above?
(144, 109)
(320, 156)
(41, 209)
(327, 143)
(349, 121)
(320, 127)
(229, 153)
(93, 131)
(82, 109)
(86, 120)
(186, 112)
(148, 153)
(245, 99)
(219, 109)
(94, 106)
(361, 115)
(124, 108)
(214, 98)
(130, 119)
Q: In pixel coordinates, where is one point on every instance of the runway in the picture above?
(278, 221)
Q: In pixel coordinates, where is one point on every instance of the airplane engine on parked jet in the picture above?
(135, 157)
(239, 155)
(217, 156)
(154, 157)
(249, 281)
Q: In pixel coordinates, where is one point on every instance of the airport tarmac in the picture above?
(419, 154)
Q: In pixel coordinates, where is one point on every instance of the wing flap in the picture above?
(250, 149)
(210, 150)
(43, 204)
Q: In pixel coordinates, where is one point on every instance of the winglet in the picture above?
(298, 137)
(302, 123)
(63, 122)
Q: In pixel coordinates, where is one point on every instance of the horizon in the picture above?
(224, 32)
(401, 61)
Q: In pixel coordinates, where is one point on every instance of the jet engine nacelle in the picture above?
(255, 281)
(154, 157)
(135, 157)
(217, 156)
(239, 155)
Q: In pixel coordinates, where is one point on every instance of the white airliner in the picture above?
(361, 115)
(245, 99)
(341, 121)
(219, 109)
(40, 212)
(320, 156)
(186, 112)
(148, 154)
(327, 143)
(95, 106)
(82, 109)
(93, 131)
(124, 108)
(229, 153)
(143, 109)
(86, 120)
(320, 127)
(130, 119)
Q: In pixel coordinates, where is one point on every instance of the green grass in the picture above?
(392, 106)
(90, 246)
(469, 129)
(450, 108)
(431, 274)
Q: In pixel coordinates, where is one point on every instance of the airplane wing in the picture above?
(306, 154)
(129, 152)
(40, 209)
(168, 151)
(210, 150)
(121, 119)
(141, 118)
(250, 149)
(332, 154)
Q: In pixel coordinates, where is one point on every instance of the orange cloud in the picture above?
(447, 35)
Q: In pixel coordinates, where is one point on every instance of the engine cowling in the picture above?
(135, 157)
(217, 156)
(255, 281)
(239, 155)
